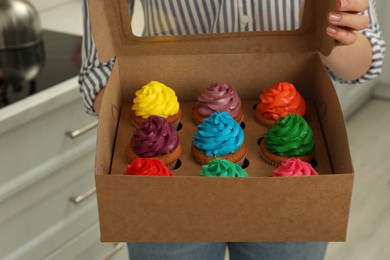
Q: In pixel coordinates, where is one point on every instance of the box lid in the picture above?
(113, 35)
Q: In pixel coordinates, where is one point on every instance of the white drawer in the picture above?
(88, 246)
(26, 149)
(42, 216)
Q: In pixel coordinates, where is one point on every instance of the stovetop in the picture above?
(62, 61)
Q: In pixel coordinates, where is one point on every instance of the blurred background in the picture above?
(47, 148)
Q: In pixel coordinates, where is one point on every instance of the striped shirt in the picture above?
(178, 17)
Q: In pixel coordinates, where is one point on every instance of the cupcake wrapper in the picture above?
(176, 124)
(268, 161)
(172, 166)
(241, 161)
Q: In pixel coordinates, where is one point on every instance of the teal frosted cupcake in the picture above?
(222, 168)
(291, 137)
(219, 136)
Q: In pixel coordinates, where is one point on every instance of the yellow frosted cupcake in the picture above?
(155, 98)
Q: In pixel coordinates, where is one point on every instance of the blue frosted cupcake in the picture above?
(219, 136)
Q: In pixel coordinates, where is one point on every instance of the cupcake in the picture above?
(155, 98)
(219, 136)
(219, 97)
(294, 167)
(222, 168)
(155, 138)
(277, 102)
(290, 137)
(147, 167)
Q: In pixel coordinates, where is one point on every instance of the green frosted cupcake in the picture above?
(222, 168)
(291, 137)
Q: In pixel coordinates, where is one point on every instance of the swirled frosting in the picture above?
(219, 97)
(155, 98)
(222, 168)
(147, 167)
(154, 137)
(280, 100)
(290, 136)
(219, 135)
(294, 167)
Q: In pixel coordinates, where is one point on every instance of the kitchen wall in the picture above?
(60, 15)
(43, 5)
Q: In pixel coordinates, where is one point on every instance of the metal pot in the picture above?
(20, 26)
(21, 42)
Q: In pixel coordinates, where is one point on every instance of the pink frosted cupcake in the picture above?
(219, 97)
(294, 167)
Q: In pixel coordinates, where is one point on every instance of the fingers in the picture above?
(342, 36)
(352, 5)
(348, 20)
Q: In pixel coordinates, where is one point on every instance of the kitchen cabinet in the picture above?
(47, 201)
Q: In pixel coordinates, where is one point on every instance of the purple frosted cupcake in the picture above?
(155, 138)
(219, 97)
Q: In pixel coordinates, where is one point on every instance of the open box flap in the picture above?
(113, 35)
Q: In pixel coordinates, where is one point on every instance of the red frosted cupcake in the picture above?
(147, 167)
(155, 138)
(294, 167)
(219, 97)
(279, 101)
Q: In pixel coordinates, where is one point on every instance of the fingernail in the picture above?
(331, 30)
(343, 4)
(334, 17)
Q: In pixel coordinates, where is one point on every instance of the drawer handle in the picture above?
(118, 247)
(78, 199)
(76, 133)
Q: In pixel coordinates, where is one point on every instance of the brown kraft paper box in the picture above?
(188, 207)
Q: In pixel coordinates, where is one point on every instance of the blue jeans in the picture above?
(237, 251)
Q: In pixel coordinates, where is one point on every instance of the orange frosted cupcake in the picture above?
(289, 137)
(155, 98)
(219, 97)
(277, 102)
(155, 138)
(219, 136)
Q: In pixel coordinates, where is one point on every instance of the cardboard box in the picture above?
(188, 207)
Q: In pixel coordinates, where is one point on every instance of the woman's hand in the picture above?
(351, 56)
(346, 20)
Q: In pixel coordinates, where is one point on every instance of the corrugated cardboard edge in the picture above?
(102, 29)
(333, 124)
(108, 122)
